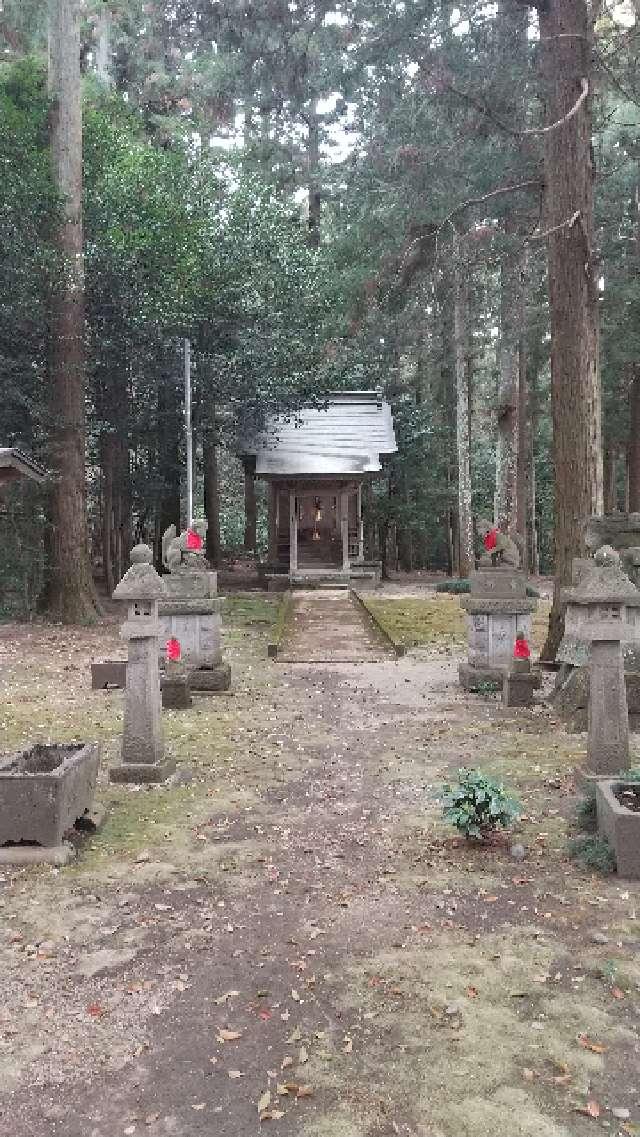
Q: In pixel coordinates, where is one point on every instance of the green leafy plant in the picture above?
(586, 815)
(487, 687)
(593, 853)
(478, 805)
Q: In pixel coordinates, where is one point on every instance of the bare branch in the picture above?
(532, 184)
(514, 131)
(584, 94)
(568, 224)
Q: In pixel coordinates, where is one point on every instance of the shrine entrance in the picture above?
(315, 527)
(316, 466)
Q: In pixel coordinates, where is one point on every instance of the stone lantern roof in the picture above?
(141, 581)
(603, 581)
(604, 601)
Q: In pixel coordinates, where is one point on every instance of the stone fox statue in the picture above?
(177, 551)
(498, 548)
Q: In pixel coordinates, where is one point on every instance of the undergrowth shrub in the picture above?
(593, 853)
(478, 805)
(586, 814)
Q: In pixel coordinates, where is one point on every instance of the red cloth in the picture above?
(173, 650)
(521, 649)
(194, 541)
(491, 540)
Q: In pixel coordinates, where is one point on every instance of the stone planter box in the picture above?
(44, 790)
(620, 825)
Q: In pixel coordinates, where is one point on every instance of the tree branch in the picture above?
(513, 131)
(568, 224)
(533, 183)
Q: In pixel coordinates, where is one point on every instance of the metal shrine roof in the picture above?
(15, 463)
(349, 434)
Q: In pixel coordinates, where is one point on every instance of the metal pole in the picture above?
(189, 433)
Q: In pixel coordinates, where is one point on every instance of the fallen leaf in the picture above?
(286, 1062)
(129, 1130)
(271, 1114)
(617, 993)
(591, 1109)
(348, 1045)
(200, 1106)
(529, 1075)
(225, 998)
(587, 1044)
(151, 1118)
(295, 1036)
(264, 1101)
(235, 1074)
(224, 1035)
(303, 1056)
(96, 1010)
(472, 992)
(305, 1092)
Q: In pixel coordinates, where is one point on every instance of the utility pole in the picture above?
(188, 429)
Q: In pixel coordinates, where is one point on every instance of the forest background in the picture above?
(438, 199)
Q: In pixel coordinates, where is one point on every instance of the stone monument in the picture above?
(597, 578)
(600, 605)
(176, 692)
(497, 611)
(622, 532)
(143, 758)
(190, 612)
(520, 681)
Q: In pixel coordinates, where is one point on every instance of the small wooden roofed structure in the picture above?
(16, 464)
(316, 462)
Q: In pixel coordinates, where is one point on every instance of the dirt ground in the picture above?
(287, 930)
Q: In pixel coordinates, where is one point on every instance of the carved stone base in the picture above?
(518, 688)
(473, 678)
(213, 680)
(143, 773)
(176, 693)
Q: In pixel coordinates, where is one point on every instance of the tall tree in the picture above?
(566, 66)
(69, 592)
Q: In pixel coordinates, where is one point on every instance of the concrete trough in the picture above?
(619, 824)
(44, 791)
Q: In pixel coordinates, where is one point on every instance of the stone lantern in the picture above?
(498, 610)
(601, 609)
(601, 586)
(143, 757)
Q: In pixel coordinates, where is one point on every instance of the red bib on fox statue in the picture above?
(491, 540)
(194, 541)
(521, 648)
(173, 650)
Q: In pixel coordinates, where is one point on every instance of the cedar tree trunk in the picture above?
(69, 592)
(565, 46)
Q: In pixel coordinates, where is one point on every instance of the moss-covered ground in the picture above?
(287, 937)
(436, 620)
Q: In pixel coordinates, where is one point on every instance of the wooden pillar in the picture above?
(293, 532)
(273, 522)
(250, 535)
(344, 526)
(360, 525)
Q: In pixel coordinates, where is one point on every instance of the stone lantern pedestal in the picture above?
(191, 612)
(600, 605)
(497, 610)
(143, 757)
(603, 592)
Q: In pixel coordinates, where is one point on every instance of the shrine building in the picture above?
(317, 462)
